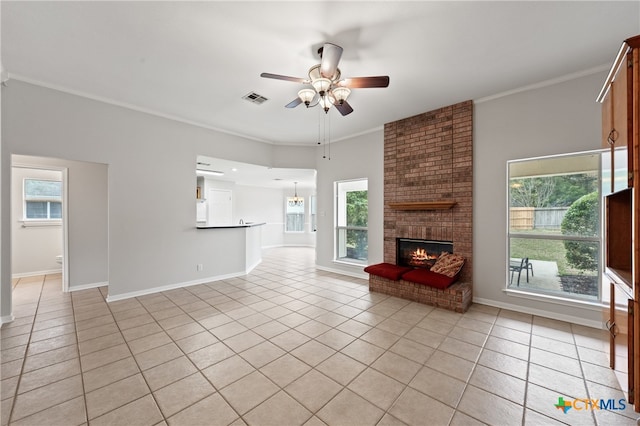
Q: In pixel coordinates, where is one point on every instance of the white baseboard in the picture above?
(88, 286)
(252, 267)
(362, 275)
(6, 319)
(287, 245)
(271, 246)
(123, 296)
(36, 273)
(539, 312)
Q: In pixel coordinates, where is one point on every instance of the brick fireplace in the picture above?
(428, 180)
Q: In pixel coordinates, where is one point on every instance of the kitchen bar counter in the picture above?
(241, 225)
(243, 239)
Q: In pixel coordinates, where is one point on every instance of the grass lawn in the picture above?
(549, 250)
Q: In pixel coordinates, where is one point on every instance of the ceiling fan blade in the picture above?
(283, 77)
(344, 109)
(331, 54)
(363, 82)
(294, 103)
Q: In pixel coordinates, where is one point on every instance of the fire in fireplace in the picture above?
(420, 253)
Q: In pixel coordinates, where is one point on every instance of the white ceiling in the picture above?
(195, 60)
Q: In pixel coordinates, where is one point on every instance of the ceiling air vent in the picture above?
(253, 97)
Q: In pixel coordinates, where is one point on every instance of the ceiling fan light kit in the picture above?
(321, 85)
(306, 96)
(326, 102)
(328, 87)
(341, 94)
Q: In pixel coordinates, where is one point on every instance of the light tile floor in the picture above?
(291, 345)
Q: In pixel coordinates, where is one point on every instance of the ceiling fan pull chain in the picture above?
(329, 149)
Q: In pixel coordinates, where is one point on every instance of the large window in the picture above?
(42, 199)
(554, 225)
(352, 219)
(294, 221)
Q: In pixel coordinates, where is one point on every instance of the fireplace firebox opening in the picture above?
(420, 253)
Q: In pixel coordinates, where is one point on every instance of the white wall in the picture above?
(555, 119)
(34, 248)
(253, 204)
(356, 158)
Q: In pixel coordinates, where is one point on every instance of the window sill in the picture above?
(351, 262)
(594, 305)
(40, 223)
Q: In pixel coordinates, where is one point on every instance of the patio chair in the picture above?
(522, 265)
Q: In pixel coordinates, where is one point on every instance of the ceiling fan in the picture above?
(328, 86)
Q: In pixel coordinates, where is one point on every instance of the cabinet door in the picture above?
(622, 332)
(615, 109)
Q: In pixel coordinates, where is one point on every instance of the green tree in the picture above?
(582, 219)
(358, 215)
(568, 188)
(551, 191)
(531, 192)
(357, 208)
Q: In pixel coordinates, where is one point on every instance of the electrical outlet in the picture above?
(199, 267)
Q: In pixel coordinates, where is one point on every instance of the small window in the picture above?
(352, 220)
(294, 221)
(42, 199)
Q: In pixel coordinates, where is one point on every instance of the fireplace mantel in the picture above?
(423, 205)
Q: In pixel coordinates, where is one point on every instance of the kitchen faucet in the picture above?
(241, 222)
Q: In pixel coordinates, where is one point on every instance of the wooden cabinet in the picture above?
(618, 314)
(619, 250)
(620, 98)
(615, 106)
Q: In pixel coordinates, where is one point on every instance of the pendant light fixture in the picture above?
(295, 201)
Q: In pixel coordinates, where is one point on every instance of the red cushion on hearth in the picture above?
(429, 278)
(387, 270)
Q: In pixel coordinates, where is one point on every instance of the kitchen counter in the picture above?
(241, 225)
(245, 240)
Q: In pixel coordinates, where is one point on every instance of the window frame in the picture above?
(558, 297)
(287, 200)
(340, 216)
(42, 199)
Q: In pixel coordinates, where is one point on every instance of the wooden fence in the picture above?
(521, 218)
(528, 218)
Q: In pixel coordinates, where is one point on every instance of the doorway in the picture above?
(220, 206)
(39, 221)
(85, 223)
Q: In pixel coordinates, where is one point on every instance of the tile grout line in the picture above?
(24, 359)
(84, 393)
(584, 377)
(526, 384)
